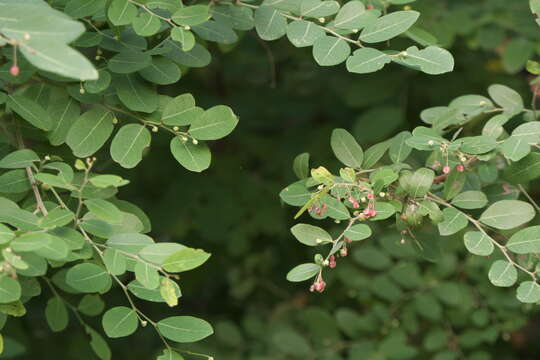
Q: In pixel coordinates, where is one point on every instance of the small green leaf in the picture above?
(90, 132)
(303, 272)
(525, 241)
(146, 24)
(502, 273)
(104, 210)
(301, 166)
(303, 33)
(318, 8)
(19, 159)
(121, 12)
(129, 61)
(10, 290)
(399, 150)
(478, 243)
(367, 60)
(161, 71)
(119, 321)
(146, 275)
(136, 94)
(470, 200)
(432, 60)
(181, 111)
(115, 261)
(129, 144)
(346, 148)
(310, 235)
(56, 314)
(30, 111)
(184, 329)
(191, 15)
(269, 23)
(388, 26)
(215, 123)
(528, 292)
(88, 278)
(185, 259)
(454, 221)
(330, 50)
(168, 292)
(358, 232)
(193, 157)
(507, 98)
(507, 214)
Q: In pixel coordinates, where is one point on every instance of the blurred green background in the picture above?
(384, 301)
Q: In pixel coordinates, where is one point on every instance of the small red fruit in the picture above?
(460, 168)
(14, 70)
(446, 169)
(319, 286)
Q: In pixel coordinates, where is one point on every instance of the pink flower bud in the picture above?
(460, 168)
(372, 212)
(370, 6)
(370, 196)
(446, 169)
(320, 285)
(343, 252)
(356, 205)
(347, 240)
(367, 212)
(14, 70)
(324, 207)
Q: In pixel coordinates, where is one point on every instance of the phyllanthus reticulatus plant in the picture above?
(465, 172)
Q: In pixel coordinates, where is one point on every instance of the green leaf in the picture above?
(470, 200)
(502, 273)
(90, 132)
(103, 181)
(98, 344)
(191, 15)
(82, 8)
(303, 33)
(507, 98)
(19, 159)
(303, 272)
(170, 355)
(399, 150)
(104, 210)
(478, 243)
(136, 94)
(129, 242)
(310, 235)
(215, 123)
(346, 148)
(56, 249)
(237, 17)
(358, 232)
(352, 15)
(517, 146)
(197, 56)
(10, 290)
(6, 235)
(121, 12)
(91, 305)
(516, 54)
(184, 37)
(184, 329)
(99, 85)
(88, 278)
(432, 60)
(185, 259)
(388, 26)
(161, 71)
(301, 166)
(146, 24)
(64, 113)
(330, 50)
(30, 111)
(525, 241)
(168, 292)
(193, 157)
(374, 154)
(524, 170)
(216, 31)
(454, 221)
(129, 144)
(120, 321)
(367, 60)
(507, 214)
(56, 217)
(318, 8)
(14, 181)
(528, 292)
(146, 275)
(477, 144)
(269, 23)
(454, 184)
(115, 261)
(384, 211)
(153, 295)
(56, 314)
(181, 111)
(421, 181)
(295, 194)
(129, 61)
(158, 253)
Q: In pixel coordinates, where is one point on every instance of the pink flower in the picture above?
(460, 168)
(14, 70)
(446, 169)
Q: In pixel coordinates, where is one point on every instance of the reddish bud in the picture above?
(446, 169)
(319, 286)
(343, 252)
(347, 240)
(14, 70)
(370, 196)
(324, 207)
(460, 168)
(332, 262)
(372, 212)
(370, 6)
(366, 212)
(356, 205)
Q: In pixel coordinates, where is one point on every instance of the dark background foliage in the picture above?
(287, 105)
